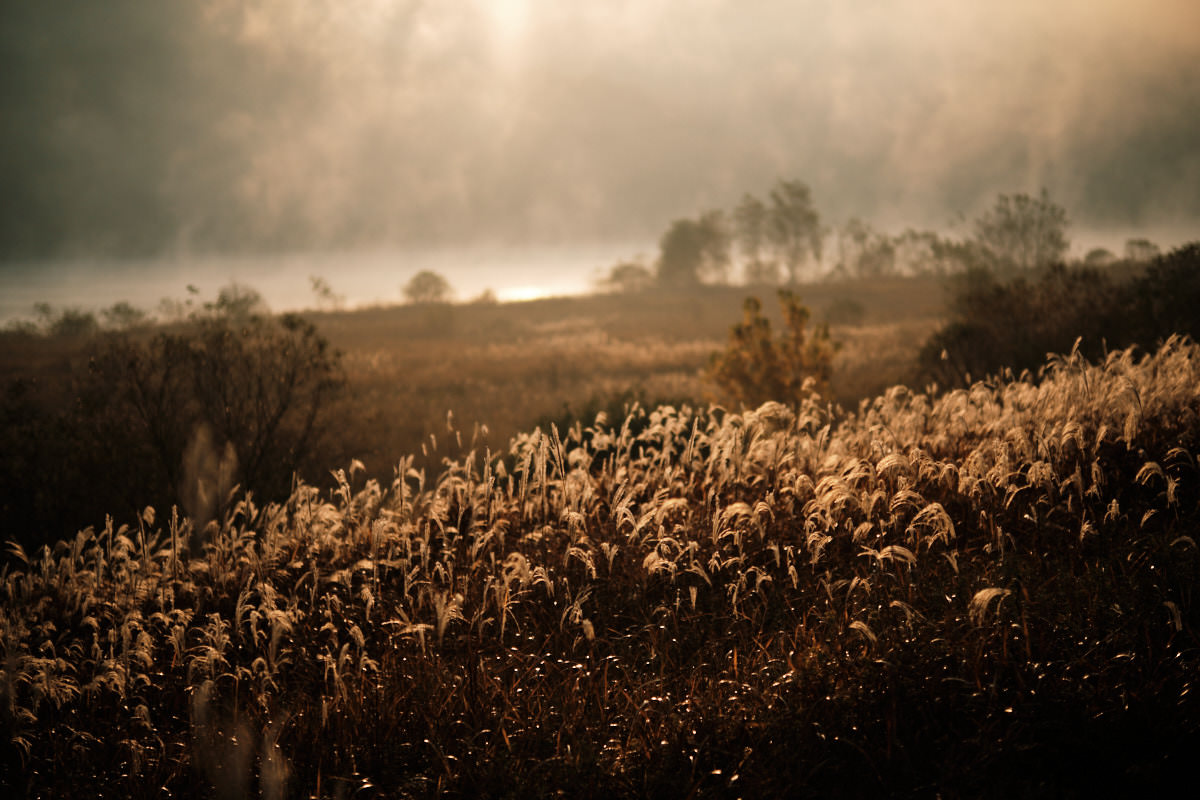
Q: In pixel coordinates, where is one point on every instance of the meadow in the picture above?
(511, 367)
(984, 592)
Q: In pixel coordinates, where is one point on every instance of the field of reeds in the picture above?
(81, 439)
(983, 593)
(515, 366)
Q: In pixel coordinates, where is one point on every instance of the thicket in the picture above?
(174, 417)
(987, 593)
(997, 324)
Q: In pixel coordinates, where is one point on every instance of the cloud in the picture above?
(225, 125)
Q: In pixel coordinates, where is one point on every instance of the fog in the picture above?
(198, 129)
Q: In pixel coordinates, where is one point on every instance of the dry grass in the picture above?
(985, 593)
(512, 366)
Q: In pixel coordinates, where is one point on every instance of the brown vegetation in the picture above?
(988, 592)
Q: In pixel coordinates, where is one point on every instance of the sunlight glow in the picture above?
(509, 19)
(517, 294)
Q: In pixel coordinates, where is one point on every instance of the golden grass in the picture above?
(512, 366)
(926, 591)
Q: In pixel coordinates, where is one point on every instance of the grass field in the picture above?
(512, 366)
(988, 592)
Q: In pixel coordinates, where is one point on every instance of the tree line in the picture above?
(782, 240)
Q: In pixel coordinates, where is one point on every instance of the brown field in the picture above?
(510, 367)
(985, 593)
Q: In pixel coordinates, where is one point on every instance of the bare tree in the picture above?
(1022, 232)
(794, 227)
(865, 252)
(751, 221)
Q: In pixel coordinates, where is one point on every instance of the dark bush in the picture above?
(1167, 296)
(172, 419)
(260, 386)
(996, 325)
(1016, 324)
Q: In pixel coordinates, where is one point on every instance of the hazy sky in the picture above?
(133, 127)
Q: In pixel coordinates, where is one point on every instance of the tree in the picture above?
(1022, 232)
(326, 297)
(428, 287)
(628, 277)
(794, 227)
(756, 366)
(1140, 250)
(1099, 257)
(1014, 324)
(1168, 296)
(750, 224)
(123, 316)
(925, 253)
(694, 250)
(864, 252)
(237, 302)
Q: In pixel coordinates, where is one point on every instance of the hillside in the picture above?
(985, 593)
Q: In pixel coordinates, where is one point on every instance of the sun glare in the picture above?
(508, 19)
(516, 294)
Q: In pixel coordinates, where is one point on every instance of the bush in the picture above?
(757, 366)
(260, 387)
(1167, 296)
(1014, 325)
(153, 420)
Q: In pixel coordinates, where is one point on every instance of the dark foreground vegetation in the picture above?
(997, 324)
(985, 589)
(99, 422)
(985, 593)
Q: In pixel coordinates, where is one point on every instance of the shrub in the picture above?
(261, 387)
(1016, 324)
(756, 366)
(116, 435)
(1167, 296)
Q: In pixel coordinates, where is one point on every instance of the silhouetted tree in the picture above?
(261, 385)
(1016, 324)
(794, 227)
(751, 221)
(326, 297)
(1168, 296)
(1022, 232)
(1140, 250)
(1099, 257)
(627, 277)
(74, 323)
(694, 250)
(864, 252)
(123, 316)
(428, 287)
(927, 253)
(238, 302)
(130, 428)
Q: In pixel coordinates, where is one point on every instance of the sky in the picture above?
(148, 131)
